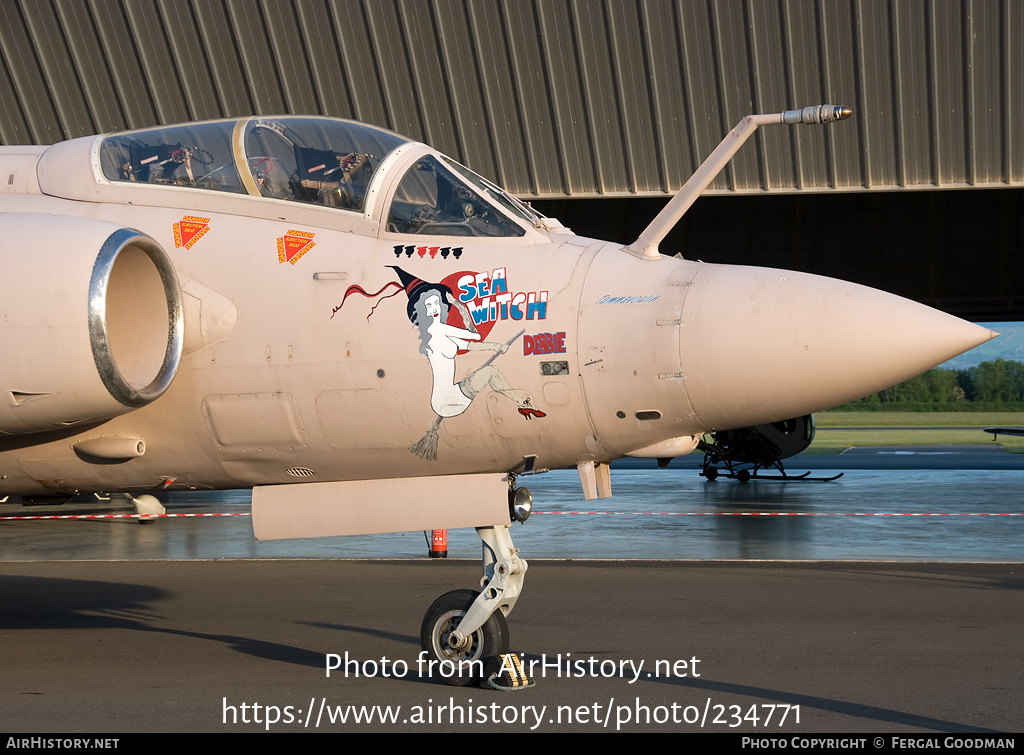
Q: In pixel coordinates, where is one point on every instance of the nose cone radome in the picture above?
(759, 345)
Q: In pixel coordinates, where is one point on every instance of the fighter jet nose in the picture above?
(760, 345)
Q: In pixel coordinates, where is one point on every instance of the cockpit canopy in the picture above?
(315, 160)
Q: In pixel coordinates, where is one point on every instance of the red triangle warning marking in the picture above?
(293, 245)
(189, 230)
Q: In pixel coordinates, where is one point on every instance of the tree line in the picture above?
(995, 385)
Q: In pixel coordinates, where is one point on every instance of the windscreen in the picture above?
(432, 200)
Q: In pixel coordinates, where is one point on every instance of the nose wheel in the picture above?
(463, 629)
(460, 661)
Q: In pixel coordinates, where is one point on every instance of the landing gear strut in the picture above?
(463, 628)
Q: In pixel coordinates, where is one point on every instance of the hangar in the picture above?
(598, 110)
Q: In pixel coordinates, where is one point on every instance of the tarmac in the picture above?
(772, 648)
(145, 629)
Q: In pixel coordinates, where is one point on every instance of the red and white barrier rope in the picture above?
(555, 513)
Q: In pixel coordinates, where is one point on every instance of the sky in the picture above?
(1009, 345)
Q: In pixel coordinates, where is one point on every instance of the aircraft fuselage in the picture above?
(324, 343)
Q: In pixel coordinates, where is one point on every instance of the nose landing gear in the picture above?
(464, 628)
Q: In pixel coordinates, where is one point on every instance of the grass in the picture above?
(837, 431)
(919, 419)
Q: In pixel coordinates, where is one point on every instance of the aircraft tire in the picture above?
(441, 618)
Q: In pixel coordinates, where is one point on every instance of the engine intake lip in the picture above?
(120, 387)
